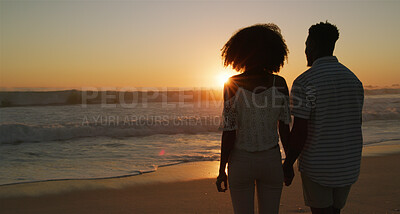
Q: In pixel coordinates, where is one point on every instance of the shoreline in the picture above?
(369, 150)
(172, 173)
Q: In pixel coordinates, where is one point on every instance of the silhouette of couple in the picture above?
(326, 104)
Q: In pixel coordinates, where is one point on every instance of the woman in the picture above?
(255, 102)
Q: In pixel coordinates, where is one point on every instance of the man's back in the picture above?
(330, 97)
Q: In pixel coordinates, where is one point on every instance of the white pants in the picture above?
(249, 169)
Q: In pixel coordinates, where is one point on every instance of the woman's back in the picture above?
(253, 108)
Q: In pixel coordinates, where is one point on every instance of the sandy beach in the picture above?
(189, 188)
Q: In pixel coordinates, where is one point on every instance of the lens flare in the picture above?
(223, 78)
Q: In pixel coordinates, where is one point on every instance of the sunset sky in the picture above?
(74, 44)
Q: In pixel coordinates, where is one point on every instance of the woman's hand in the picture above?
(222, 178)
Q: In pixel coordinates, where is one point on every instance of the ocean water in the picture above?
(40, 143)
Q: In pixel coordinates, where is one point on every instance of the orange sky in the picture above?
(177, 44)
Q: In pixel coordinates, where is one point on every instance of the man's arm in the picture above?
(297, 139)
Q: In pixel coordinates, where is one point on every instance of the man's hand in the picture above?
(288, 173)
(222, 178)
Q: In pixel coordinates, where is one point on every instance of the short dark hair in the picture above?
(324, 34)
(257, 46)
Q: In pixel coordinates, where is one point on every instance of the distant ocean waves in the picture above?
(101, 95)
(19, 133)
(381, 107)
(135, 95)
(380, 91)
(111, 126)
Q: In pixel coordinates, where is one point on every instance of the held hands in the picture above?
(288, 173)
(222, 178)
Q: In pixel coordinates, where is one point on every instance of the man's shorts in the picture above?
(318, 196)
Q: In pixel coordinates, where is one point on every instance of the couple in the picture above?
(326, 102)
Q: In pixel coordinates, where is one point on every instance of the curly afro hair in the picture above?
(260, 46)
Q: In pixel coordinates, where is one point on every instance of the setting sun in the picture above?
(223, 76)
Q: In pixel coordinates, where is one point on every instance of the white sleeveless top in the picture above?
(255, 117)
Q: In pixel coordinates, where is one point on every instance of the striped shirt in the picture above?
(331, 98)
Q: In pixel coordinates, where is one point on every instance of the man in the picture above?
(327, 102)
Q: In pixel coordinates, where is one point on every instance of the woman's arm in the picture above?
(284, 132)
(228, 135)
(227, 141)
